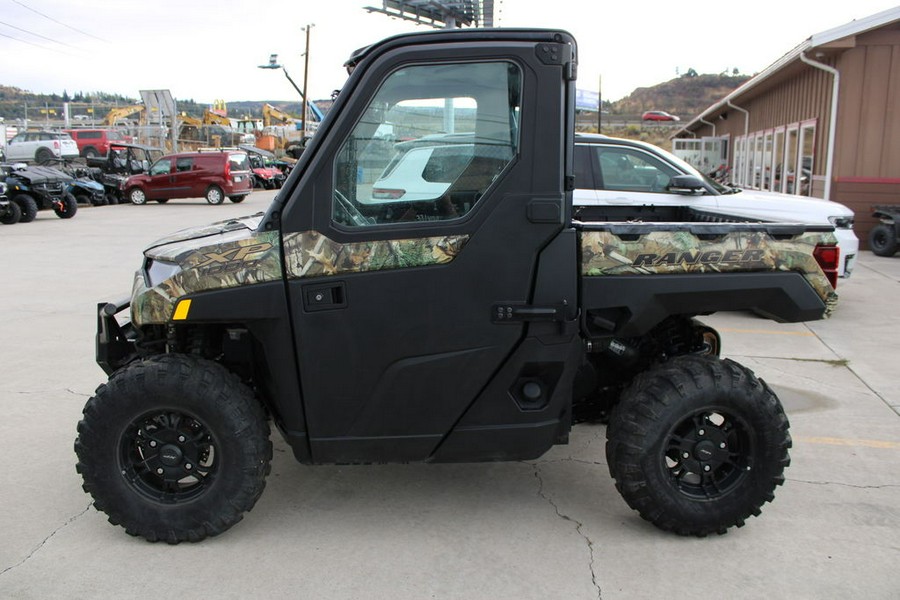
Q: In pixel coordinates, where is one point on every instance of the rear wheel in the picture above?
(91, 152)
(137, 196)
(43, 156)
(174, 448)
(27, 206)
(883, 240)
(66, 207)
(215, 195)
(698, 445)
(12, 215)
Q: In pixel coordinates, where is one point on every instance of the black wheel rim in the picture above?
(168, 456)
(879, 239)
(708, 454)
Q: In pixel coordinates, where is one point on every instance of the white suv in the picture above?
(617, 172)
(41, 146)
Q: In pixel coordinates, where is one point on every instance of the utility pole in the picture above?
(599, 103)
(305, 77)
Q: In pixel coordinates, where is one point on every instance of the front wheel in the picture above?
(174, 448)
(66, 207)
(12, 215)
(883, 240)
(698, 445)
(215, 195)
(137, 196)
(27, 205)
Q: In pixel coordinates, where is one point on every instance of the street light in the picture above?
(273, 64)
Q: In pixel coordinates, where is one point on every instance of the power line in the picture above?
(37, 35)
(32, 43)
(60, 22)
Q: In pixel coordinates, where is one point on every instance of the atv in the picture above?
(35, 188)
(883, 239)
(10, 213)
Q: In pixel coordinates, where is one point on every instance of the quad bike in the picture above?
(883, 239)
(39, 188)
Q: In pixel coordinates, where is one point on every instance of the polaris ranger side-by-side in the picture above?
(476, 323)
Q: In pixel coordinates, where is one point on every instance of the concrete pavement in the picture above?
(550, 528)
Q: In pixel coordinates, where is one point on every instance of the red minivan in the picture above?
(212, 175)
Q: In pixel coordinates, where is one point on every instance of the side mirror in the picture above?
(687, 185)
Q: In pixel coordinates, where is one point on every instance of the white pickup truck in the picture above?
(642, 178)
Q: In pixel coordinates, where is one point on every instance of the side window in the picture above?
(627, 169)
(184, 164)
(429, 145)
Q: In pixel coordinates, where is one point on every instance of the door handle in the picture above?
(324, 296)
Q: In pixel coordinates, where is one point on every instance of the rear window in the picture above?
(239, 161)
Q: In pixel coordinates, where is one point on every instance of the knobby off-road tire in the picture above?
(28, 207)
(174, 448)
(69, 207)
(698, 445)
(883, 240)
(12, 215)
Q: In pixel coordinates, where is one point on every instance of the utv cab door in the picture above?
(433, 318)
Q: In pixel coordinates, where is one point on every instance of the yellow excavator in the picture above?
(122, 112)
(211, 118)
(273, 116)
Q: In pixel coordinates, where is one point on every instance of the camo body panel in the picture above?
(674, 252)
(241, 258)
(311, 254)
(236, 259)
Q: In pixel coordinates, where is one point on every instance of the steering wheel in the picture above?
(347, 213)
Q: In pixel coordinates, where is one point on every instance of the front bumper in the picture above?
(115, 340)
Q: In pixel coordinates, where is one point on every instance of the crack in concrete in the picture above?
(74, 393)
(578, 524)
(849, 485)
(44, 541)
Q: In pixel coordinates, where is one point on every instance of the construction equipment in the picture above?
(273, 116)
(122, 112)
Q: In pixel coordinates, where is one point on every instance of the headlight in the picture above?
(2, 189)
(842, 222)
(157, 271)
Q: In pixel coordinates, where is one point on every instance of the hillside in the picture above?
(685, 96)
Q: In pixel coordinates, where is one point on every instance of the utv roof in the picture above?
(129, 145)
(460, 35)
(256, 150)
